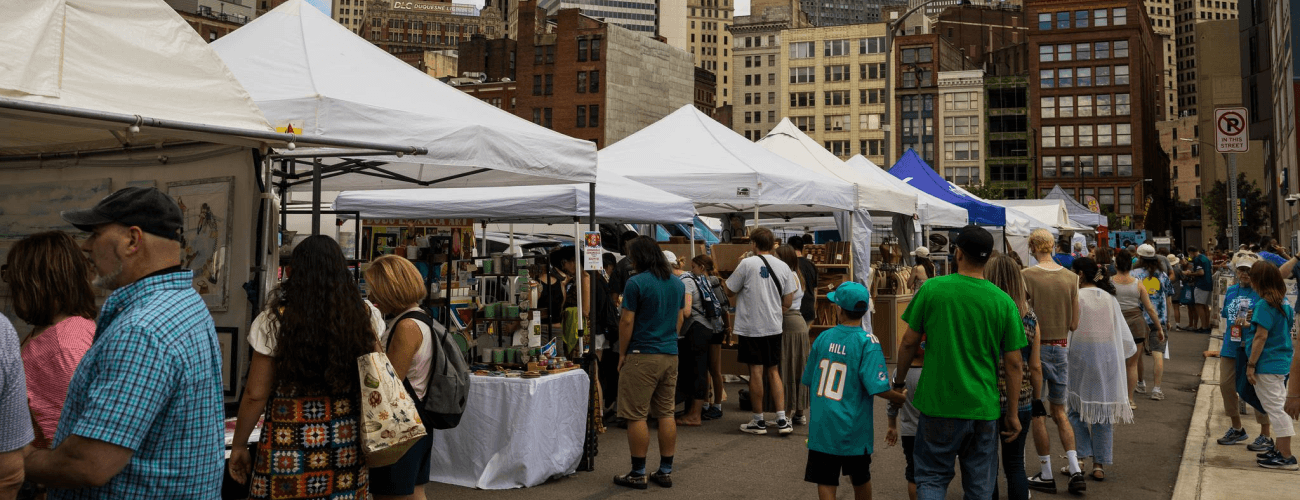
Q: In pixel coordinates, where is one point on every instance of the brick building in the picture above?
(400, 27)
(495, 58)
(213, 19)
(1096, 79)
(499, 94)
(594, 80)
(756, 51)
(976, 31)
(706, 91)
(920, 58)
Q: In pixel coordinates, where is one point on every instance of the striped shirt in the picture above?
(151, 382)
(15, 420)
(50, 359)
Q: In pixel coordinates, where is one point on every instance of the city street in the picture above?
(718, 461)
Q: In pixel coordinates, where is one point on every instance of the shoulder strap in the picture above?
(416, 315)
(772, 274)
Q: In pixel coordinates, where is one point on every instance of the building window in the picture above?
(537, 84)
(594, 78)
(871, 147)
(1080, 19)
(1044, 22)
(1119, 16)
(837, 73)
(749, 117)
(550, 85)
(1083, 77)
(1082, 51)
(1049, 166)
(583, 50)
(1085, 106)
(1103, 105)
(771, 79)
(1103, 76)
(1121, 74)
(550, 54)
(1087, 167)
(771, 116)
(1065, 52)
(537, 116)
(582, 116)
(837, 98)
(1104, 135)
(1123, 135)
(546, 117)
(837, 123)
(802, 99)
(1046, 53)
(1047, 107)
(805, 123)
(593, 115)
(1046, 78)
(1122, 105)
(1085, 135)
(872, 71)
(838, 148)
(1121, 49)
(1065, 137)
(1125, 194)
(801, 50)
(1099, 17)
(771, 97)
(872, 45)
(835, 48)
(595, 49)
(1049, 137)
(1066, 164)
(1062, 20)
(538, 54)
(582, 82)
(806, 74)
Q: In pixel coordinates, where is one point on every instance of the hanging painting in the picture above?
(206, 206)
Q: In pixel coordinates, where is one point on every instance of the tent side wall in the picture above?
(243, 227)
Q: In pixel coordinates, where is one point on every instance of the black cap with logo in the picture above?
(147, 208)
(976, 241)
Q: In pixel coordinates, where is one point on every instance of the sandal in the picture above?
(1098, 474)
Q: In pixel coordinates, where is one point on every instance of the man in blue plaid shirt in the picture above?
(143, 416)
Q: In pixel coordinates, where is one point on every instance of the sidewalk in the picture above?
(1212, 471)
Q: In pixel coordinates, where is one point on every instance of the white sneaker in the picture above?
(1157, 394)
(1141, 388)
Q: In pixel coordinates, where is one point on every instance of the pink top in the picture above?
(50, 359)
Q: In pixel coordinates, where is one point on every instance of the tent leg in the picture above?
(512, 237)
(578, 242)
(591, 206)
(316, 196)
(692, 231)
(483, 239)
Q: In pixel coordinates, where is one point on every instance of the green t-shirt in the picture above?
(968, 324)
(845, 369)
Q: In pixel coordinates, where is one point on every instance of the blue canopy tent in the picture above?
(914, 171)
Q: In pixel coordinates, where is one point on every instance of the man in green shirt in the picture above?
(968, 323)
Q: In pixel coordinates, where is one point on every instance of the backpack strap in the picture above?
(428, 321)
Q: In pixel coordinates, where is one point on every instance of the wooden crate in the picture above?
(726, 256)
(887, 323)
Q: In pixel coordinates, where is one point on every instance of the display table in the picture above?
(515, 432)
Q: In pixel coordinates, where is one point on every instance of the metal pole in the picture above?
(1234, 224)
(578, 243)
(315, 196)
(692, 231)
(512, 236)
(591, 206)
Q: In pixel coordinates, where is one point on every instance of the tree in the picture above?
(1254, 214)
(986, 191)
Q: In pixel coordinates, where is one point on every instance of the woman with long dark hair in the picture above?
(1135, 304)
(1003, 271)
(305, 349)
(1097, 396)
(794, 345)
(50, 282)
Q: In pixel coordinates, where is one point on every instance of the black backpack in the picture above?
(448, 387)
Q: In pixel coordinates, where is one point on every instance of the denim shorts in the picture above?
(1055, 373)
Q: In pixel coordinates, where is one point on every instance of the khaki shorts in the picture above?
(646, 386)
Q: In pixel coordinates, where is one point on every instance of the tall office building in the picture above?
(1187, 14)
(756, 43)
(1092, 79)
(408, 27)
(1161, 14)
(1267, 88)
(640, 16)
(350, 13)
(710, 40)
(834, 82)
(840, 12)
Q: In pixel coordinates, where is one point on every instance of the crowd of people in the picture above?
(126, 401)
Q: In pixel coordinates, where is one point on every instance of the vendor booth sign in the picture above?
(591, 251)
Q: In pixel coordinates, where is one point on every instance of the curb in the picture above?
(1191, 470)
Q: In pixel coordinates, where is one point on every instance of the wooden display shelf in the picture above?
(887, 322)
(835, 266)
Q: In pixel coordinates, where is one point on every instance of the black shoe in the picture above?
(662, 479)
(1077, 485)
(1268, 454)
(1037, 483)
(632, 481)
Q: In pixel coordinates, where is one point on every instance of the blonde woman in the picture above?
(396, 289)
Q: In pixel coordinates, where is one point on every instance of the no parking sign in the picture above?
(1230, 130)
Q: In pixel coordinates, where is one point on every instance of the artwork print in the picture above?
(206, 206)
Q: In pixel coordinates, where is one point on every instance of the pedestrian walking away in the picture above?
(1003, 271)
(794, 344)
(967, 322)
(1156, 283)
(143, 413)
(844, 370)
(1134, 304)
(1098, 398)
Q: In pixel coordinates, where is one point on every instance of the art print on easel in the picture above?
(206, 206)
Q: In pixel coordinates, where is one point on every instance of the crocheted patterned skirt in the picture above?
(310, 449)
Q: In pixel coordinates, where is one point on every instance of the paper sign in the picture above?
(591, 251)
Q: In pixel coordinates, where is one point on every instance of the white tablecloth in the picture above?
(515, 432)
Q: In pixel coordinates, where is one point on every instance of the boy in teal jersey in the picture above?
(845, 368)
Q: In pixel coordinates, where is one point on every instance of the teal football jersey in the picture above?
(845, 369)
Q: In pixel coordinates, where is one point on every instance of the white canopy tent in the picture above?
(1049, 212)
(792, 144)
(307, 71)
(618, 200)
(932, 210)
(692, 155)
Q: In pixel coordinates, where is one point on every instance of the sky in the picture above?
(742, 6)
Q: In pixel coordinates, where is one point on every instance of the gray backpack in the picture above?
(448, 388)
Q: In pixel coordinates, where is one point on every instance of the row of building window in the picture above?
(834, 48)
(1088, 166)
(1105, 197)
(588, 81)
(1081, 19)
(757, 98)
(587, 116)
(1069, 136)
(423, 26)
(756, 41)
(1099, 76)
(1083, 51)
(757, 117)
(417, 38)
(758, 79)
(588, 50)
(1084, 106)
(757, 61)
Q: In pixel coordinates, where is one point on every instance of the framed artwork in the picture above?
(226, 336)
(206, 207)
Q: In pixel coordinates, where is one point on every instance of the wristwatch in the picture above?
(899, 385)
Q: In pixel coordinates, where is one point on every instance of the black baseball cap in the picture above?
(147, 208)
(976, 241)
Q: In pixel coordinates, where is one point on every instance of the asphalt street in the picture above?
(717, 461)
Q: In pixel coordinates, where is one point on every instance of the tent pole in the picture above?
(512, 236)
(315, 196)
(591, 206)
(483, 240)
(578, 243)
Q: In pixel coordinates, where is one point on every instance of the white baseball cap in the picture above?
(921, 252)
(672, 257)
(1146, 251)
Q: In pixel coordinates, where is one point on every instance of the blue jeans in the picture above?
(1093, 440)
(1013, 460)
(1056, 376)
(939, 441)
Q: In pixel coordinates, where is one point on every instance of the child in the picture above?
(910, 418)
(1268, 351)
(845, 368)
